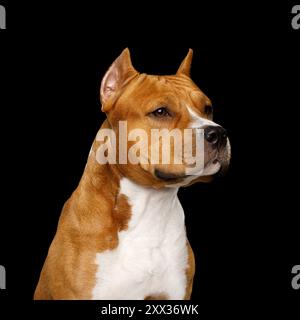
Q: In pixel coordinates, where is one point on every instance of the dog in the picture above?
(121, 234)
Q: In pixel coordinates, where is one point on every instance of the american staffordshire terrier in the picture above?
(121, 234)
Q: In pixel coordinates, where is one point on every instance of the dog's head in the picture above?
(160, 109)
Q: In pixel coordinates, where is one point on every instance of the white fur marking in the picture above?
(199, 122)
(151, 257)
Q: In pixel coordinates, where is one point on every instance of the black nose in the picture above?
(216, 136)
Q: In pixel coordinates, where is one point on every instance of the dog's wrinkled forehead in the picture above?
(188, 92)
(176, 89)
(180, 85)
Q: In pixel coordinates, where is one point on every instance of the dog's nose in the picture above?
(216, 136)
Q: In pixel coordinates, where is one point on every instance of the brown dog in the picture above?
(121, 235)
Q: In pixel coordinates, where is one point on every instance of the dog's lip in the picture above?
(169, 176)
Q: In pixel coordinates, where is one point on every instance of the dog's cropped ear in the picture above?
(185, 67)
(115, 78)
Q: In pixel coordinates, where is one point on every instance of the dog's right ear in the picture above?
(185, 67)
(115, 78)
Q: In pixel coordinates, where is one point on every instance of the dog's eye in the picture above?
(161, 112)
(208, 110)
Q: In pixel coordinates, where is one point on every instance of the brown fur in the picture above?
(190, 272)
(90, 222)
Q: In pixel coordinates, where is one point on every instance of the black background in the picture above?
(243, 228)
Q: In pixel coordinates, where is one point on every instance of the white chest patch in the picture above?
(152, 255)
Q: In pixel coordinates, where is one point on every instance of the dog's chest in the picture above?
(151, 258)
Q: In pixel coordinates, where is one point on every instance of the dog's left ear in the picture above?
(116, 78)
(185, 67)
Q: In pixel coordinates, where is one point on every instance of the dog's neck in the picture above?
(104, 184)
(148, 204)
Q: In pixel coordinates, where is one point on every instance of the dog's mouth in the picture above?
(166, 176)
(179, 177)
